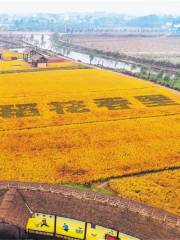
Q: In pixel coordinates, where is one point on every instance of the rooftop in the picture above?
(37, 57)
(19, 200)
(28, 50)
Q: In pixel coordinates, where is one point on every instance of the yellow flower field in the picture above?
(160, 190)
(13, 65)
(21, 65)
(62, 64)
(7, 55)
(83, 125)
(7, 64)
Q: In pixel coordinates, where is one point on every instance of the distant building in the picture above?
(28, 53)
(39, 59)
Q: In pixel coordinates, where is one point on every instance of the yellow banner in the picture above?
(70, 227)
(123, 236)
(95, 232)
(41, 222)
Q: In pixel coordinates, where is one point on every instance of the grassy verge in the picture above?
(94, 189)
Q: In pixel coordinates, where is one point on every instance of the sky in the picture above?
(128, 7)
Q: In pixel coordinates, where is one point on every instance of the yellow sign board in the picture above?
(45, 224)
(95, 232)
(42, 223)
(70, 228)
(123, 236)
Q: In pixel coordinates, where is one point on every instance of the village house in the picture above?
(28, 53)
(39, 60)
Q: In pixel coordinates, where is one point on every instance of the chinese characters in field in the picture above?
(76, 106)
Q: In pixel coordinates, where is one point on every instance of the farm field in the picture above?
(7, 55)
(160, 49)
(21, 65)
(159, 190)
(84, 125)
(66, 63)
(12, 65)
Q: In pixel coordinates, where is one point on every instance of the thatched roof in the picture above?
(127, 216)
(13, 209)
(37, 57)
(28, 50)
(2, 192)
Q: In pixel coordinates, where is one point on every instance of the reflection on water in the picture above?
(101, 61)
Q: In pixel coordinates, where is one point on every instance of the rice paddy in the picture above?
(82, 125)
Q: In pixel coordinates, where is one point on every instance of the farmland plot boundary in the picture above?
(136, 174)
(88, 122)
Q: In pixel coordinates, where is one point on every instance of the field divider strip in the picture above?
(135, 174)
(89, 122)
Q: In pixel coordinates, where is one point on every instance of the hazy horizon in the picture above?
(126, 7)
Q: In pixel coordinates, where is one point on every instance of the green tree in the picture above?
(55, 38)
(91, 57)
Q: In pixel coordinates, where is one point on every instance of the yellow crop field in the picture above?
(7, 55)
(159, 190)
(7, 64)
(62, 64)
(13, 65)
(83, 125)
